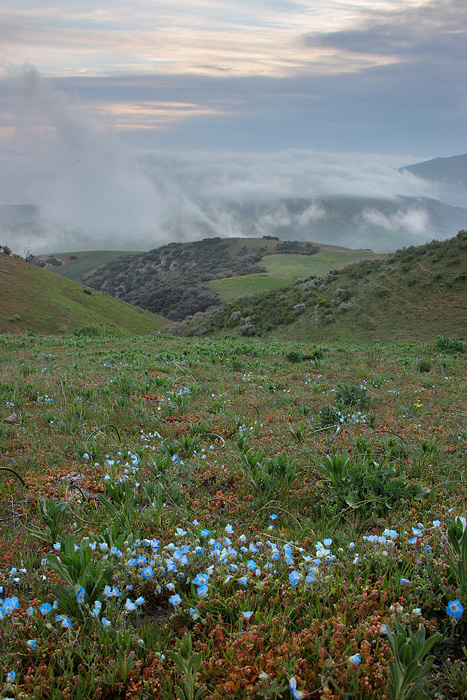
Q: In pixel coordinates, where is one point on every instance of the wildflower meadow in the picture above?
(231, 518)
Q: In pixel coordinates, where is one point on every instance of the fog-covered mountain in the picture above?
(452, 170)
(380, 222)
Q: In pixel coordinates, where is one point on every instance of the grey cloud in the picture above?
(437, 30)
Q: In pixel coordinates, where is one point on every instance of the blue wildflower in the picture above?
(45, 608)
(147, 572)
(455, 609)
(296, 694)
(294, 578)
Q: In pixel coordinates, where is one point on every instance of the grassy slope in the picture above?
(415, 306)
(413, 295)
(85, 263)
(50, 304)
(285, 268)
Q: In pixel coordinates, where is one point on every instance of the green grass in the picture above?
(233, 490)
(291, 267)
(83, 263)
(285, 269)
(235, 287)
(48, 303)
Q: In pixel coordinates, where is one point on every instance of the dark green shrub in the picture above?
(448, 345)
(353, 396)
(329, 416)
(424, 365)
(293, 356)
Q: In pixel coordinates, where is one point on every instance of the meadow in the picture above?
(231, 518)
(283, 269)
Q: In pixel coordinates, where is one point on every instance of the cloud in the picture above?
(228, 176)
(428, 31)
(96, 192)
(414, 221)
(85, 180)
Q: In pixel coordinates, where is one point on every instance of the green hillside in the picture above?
(77, 265)
(285, 268)
(413, 294)
(34, 299)
(181, 279)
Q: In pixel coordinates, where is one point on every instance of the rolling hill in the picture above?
(37, 300)
(181, 279)
(413, 294)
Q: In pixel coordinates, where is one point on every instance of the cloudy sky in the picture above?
(358, 86)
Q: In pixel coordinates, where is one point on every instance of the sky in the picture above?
(159, 105)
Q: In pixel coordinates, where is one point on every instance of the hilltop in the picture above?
(37, 300)
(413, 294)
(77, 265)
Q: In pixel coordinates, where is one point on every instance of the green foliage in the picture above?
(123, 507)
(269, 477)
(126, 657)
(299, 432)
(329, 416)
(335, 468)
(189, 664)
(294, 356)
(368, 485)
(424, 365)
(51, 516)
(183, 447)
(455, 553)
(353, 396)
(177, 401)
(448, 345)
(409, 669)
(91, 331)
(79, 570)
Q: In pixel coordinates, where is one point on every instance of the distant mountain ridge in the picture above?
(452, 170)
(353, 222)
